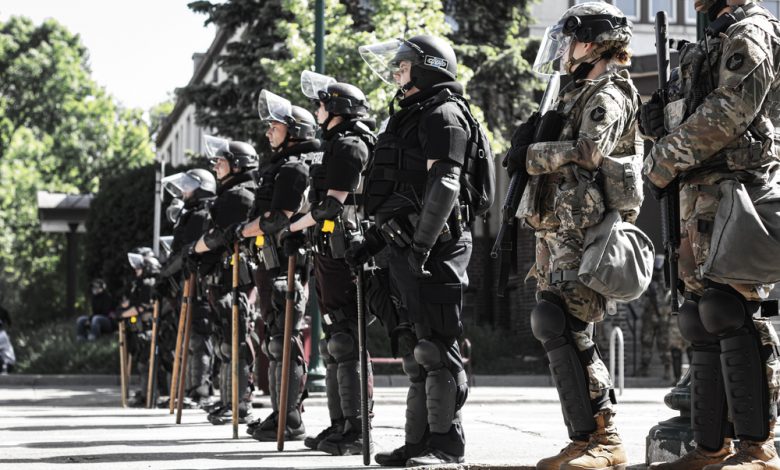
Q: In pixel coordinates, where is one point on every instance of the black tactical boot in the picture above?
(349, 442)
(225, 415)
(399, 456)
(266, 432)
(336, 427)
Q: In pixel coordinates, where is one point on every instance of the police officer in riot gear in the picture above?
(413, 192)
(281, 184)
(564, 199)
(136, 310)
(342, 112)
(194, 190)
(716, 132)
(212, 254)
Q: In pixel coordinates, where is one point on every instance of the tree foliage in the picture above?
(59, 132)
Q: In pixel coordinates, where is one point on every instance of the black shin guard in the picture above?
(745, 384)
(708, 399)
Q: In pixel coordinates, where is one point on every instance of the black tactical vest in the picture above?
(265, 175)
(318, 171)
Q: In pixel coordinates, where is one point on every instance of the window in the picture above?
(690, 13)
(669, 6)
(773, 6)
(630, 7)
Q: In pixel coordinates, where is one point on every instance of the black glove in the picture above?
(190, 258)
(651, 117)
(291, 242)
(418, 255)
(657, 192)
(232, 234)
(515, 159)
(402, 340)
(359, 253)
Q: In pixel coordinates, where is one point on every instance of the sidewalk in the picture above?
(506, 427)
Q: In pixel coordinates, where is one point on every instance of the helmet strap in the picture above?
(585, 63)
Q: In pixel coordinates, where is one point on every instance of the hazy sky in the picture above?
(139, 50)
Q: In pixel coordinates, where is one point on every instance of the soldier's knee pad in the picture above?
(276, 348)
(412, 369)
(428, 355)
(225, 350)
(691, 326)
(323, 346)
(548, 321)
(721, 312)
(342, 347)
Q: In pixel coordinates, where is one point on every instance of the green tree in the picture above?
(59, 132)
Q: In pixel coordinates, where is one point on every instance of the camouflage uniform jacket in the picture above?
(731, 134)
(727, 134)
(565, 190)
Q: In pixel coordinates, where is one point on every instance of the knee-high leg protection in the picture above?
(416, 426)
(728, 315)
(295, 381)
(343, 348)
(708, 397)
(331, 382)
(440, 386)
(549, 325)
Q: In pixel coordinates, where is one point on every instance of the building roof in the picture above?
(222, 37)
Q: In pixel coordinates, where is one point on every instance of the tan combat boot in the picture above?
(752, 455)
(573, 450)
(605, 449)
(697, 459)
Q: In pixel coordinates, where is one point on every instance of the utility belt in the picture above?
(139, 323)
(399, 230)
(269, 254)
(332, 237)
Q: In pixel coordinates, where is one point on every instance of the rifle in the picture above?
(288, 321)
(234, 343)
(507, 248)
(151, 380)
(670, 201)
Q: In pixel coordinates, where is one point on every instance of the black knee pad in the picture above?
(548, 321)
(428, 355)
(691, 327)
(722, 312)
(326, 357)
(342, 347)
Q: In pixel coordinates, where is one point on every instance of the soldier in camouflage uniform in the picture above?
(565, 195)
(656, 321)
(721, 118)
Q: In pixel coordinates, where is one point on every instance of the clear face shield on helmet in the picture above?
(216, 147)
(553, 52)
(173, 211)
(166, 244)
(384, 58)
(314, 85)
(181, 185)
(136, 261)
(271, 107)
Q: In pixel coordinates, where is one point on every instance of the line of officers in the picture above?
(721, 126)
(335, 198)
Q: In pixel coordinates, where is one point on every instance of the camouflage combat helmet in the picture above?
(597, 22)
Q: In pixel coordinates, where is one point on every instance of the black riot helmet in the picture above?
(208, 184)
(240, 155)
(300, 123)
(433, 60)
(196, 183)
(339, 98)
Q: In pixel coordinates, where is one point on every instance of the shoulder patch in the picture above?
(735, 62)
(598, 114)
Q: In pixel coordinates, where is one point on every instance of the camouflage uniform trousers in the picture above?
(562, 250)
(656, 329)
(699, 203)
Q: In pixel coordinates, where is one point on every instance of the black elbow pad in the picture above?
(441, 194)
(328, 209)
(274, 223)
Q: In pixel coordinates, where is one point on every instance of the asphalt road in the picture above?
(44, 427)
